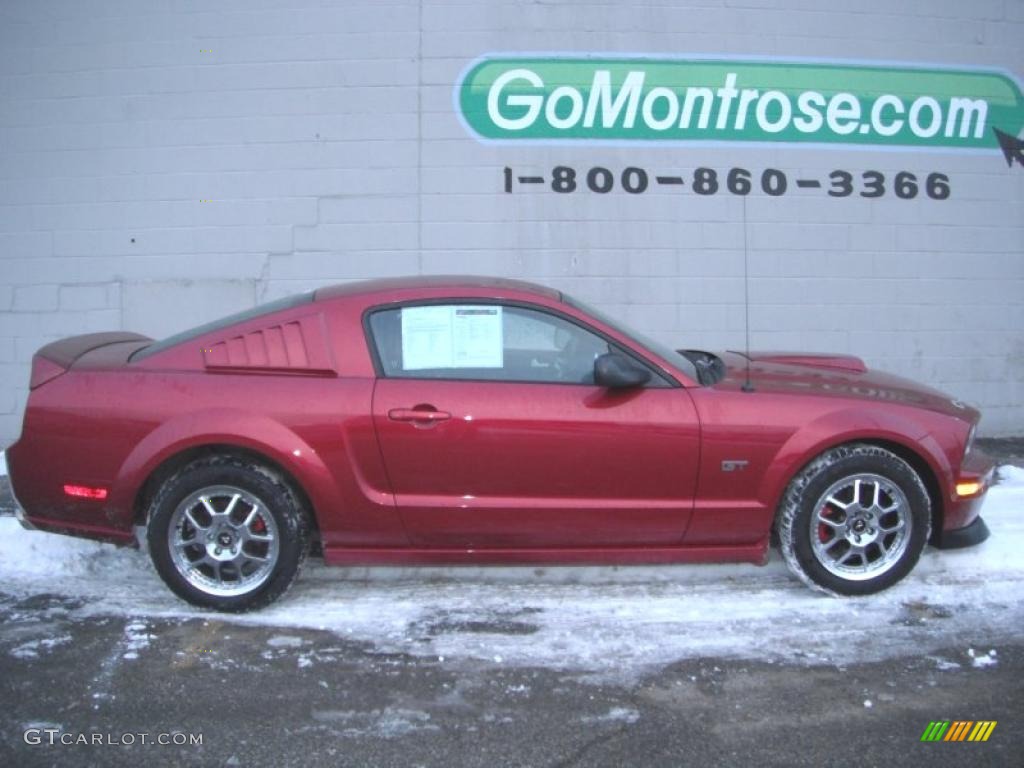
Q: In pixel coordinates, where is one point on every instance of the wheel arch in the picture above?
(176, 461)
(904, 438)
(927, 474)
(250, 436)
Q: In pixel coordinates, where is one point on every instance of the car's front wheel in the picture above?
(228, 534)
(854, 521)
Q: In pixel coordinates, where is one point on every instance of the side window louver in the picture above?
(297, 346)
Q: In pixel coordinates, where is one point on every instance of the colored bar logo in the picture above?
(958, 730)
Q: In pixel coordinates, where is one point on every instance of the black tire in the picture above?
(816, 532)
(278, 517)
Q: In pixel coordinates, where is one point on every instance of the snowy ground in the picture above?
(606, 622)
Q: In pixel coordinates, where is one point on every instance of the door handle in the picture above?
(417, 414)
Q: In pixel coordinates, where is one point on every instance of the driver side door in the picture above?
(495, 436)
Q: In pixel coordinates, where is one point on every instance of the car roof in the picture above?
(434, 282)
(397, 287)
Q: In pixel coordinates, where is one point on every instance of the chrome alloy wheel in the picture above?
(223, 540)
(861, 527)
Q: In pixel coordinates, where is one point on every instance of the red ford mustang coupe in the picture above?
(469, 420)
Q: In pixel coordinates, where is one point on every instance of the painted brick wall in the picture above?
(164, 163)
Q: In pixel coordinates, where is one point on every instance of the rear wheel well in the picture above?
(172, 464)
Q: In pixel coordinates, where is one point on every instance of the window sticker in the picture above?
(452, 337)
(477, 337)
(426, 338)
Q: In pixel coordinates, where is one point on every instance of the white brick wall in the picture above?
(322, 135)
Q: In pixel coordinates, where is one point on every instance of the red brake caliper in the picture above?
(823, 532)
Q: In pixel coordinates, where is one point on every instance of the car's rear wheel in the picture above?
(228, 534)
(854, 521)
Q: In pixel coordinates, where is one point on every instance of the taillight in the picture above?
(43, 370)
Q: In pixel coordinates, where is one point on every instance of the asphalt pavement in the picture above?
(248, 694)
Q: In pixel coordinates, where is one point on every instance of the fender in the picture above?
(255, 432)
(845, 426)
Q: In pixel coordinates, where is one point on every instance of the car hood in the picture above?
(837, 376)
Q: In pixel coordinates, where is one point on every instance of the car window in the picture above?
(669, 355)
(484, 341)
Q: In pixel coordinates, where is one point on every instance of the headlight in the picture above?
(970, 439)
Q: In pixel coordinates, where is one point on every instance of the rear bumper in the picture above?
(975, 533)
(19, 510)
(54, 519)
(19, 515)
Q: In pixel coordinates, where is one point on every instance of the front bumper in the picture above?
(962, 525)
(975, 533)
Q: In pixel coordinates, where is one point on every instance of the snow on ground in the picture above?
(608, 620)
(32, 648)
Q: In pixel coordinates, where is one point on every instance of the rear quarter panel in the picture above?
(114, 428)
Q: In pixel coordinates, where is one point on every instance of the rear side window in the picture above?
(194, 333)
(484, 342)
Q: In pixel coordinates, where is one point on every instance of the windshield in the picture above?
(663, 351)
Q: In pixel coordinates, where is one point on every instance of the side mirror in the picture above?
(617, 371)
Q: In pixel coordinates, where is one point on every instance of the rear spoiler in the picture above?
(55, 358)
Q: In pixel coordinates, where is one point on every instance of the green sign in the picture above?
(605, 98)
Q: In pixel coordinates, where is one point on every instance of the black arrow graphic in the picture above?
(1013, 148)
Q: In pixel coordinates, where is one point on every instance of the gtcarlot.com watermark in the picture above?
(59, 737)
